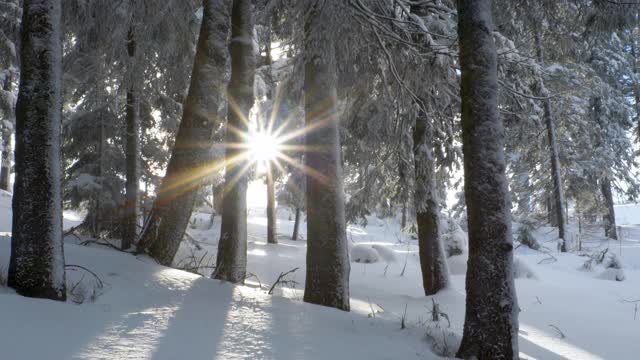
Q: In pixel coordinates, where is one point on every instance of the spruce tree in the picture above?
(36, 267)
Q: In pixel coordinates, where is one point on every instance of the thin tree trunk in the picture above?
(403, 221)
(5, 171)
(231, 262)
(636, 86)
(296, 225)
(558, 193)
(610, 224)
(328, 267)
(188, 165)
(271, 207)
(36, 267)
(271, 191)
(433, 259)
(132, 150)
(491, 316)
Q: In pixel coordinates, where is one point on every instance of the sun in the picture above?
(263, 147)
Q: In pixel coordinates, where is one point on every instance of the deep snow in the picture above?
(149, 311)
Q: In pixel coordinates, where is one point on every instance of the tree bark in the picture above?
(132, 149)
(5, 170)
(231, 262)
(36, 267)
(189, 165)
(296, 225)
(433, 259)
(610, 223)
(328, 267)
(491, 316)
(558, 193)
(272, 236)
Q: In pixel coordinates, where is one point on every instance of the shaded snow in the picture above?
(149, 311)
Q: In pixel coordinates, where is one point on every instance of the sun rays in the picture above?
(264, 145)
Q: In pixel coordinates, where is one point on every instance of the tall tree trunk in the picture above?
(433, 259)
(132, 149)
(272, 236)
(296, 225)
(610, 224)
(271, 191)
(491, 316)
(188, 165)
(328, 267)
(636, 87)
(403, 221)
(231, 262)
(5, 170)
(558, 193)
(36, 267)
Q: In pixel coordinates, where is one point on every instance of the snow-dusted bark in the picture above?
(36, 267)
(491, 317)
(610, 217)
(231, 264)
(556, 177)
(5, 170)
(188, 165)
(328, 267)
(296, 225)
(433, 260)
(271, 208)
(132, 153)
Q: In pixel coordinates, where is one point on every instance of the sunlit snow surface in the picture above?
(147, 311)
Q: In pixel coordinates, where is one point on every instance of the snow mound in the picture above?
(612, 274)
(372, 253)
(386, 253)
(362, 253)
(458, 264)
(522, 270)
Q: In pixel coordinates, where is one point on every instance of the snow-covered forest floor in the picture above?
(143, 310)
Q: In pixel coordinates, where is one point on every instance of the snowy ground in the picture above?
(148, 311)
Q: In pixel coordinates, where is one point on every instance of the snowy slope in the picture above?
(149, 311)
(70, 218)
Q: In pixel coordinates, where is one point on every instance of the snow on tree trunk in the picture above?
(188, 165)
(5, 170)
(271, 207)
(328, 267)
(610, 217)
(231, 264)
(296, 225)
(433, 260)
(491, 317)
(36, 266)
(558, 193)
(132, 149)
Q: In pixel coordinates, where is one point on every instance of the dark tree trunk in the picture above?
(433, 259)
(491, 316)
(231, 262)
(130, 223)
(5, 170)
(5, 157)
(610, 217)
(296, 225)
(328, 267)
(558, 193)
(403, 221)
(551, 210)
(36, 266)
(188, 165)
(272, 236)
